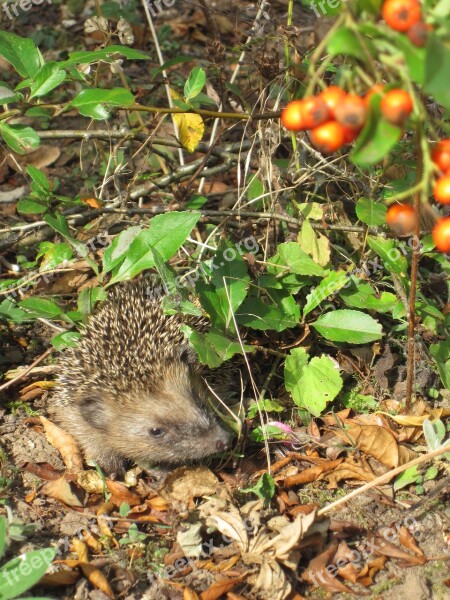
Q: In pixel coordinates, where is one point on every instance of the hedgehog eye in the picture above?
(156, 432)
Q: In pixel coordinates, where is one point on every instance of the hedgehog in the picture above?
(133, 389)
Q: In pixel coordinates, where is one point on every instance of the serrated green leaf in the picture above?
(370, 212)
(290, 255)
(21, 52)
(19, 138)
(117, 251)
(165, 234)
(313, 385)
(345, 41)
(350, 326)
(194, 84)
(94, 103)
(330, 285)
(41, 307)
(48, 78)
(65, 339)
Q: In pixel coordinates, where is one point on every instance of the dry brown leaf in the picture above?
(311, 474)
(44, 156)
(96, 577)
(349, 471)
(383, 547)
(189, 482)
(120, 493)
(189, 594)
(407, 540)
(219, 588)
(61, 490)
(318, 572)
(80, 550)
(60, 578)
(65, 444)
(373, 440)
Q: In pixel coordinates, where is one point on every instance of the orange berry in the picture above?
(418, 34)
(401, 218)
(292, 116)
(441, 190)
(328, 138)
(401, 14)
(351, 111)
(440, 155)
(376, 89)
(332, 96)
(396, 106)
(304, 114)
(315, 112)
(441, 235)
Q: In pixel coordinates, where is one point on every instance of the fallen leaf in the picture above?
(61, 490)
(65, 444)
(120, 494)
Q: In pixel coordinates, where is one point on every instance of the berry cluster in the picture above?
(402, 217)
(406, 16)
(335, 118)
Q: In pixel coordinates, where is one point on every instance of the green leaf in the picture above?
(196, 201)
(109, 54)
(406, 478)
(53, 254)
(441, 354)
(7, 96)
(10, 312)
(345, 41)
(329, 286)
(376, 139)
(23, 572)
(392, 258)
(2, 535)
(313, 385)
(264, 488)
(350, 326)
(165, 234)
(213, 348)
(195, 83)
(48, 78)
(230, 278)
(434, 433)
(19, 138)
(362, 295)
(414, 57)
(21, 52)
(291, 255)
(370, 212)
(117, 251)
(31, 206)
(65, 339)
(92, 103)
(88, 298)
(261, 316)
(437, 70)
(41, 307)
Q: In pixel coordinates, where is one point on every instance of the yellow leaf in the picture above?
(315, 244)
(190, 130)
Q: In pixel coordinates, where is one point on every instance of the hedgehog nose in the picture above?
(223, 445)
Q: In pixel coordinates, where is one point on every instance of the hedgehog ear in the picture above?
(92, 409)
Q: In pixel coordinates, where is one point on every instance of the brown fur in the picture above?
(132, 388)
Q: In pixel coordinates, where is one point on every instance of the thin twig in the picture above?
(27, 370)
(382, 479)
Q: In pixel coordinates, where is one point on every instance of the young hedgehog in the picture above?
(133, 388)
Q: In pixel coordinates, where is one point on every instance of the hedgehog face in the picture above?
(166, 421)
